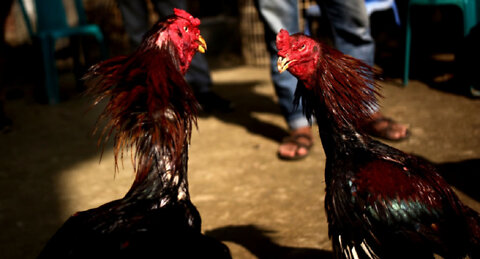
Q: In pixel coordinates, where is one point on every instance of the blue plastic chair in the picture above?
(51, 21)
(470, 19)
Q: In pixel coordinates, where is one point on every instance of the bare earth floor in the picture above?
(259, 206)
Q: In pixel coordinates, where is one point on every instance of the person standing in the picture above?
(136, 21)
(351, 35)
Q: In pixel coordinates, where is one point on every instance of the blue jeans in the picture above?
(135, 18)
(351, 31)
(351, 28)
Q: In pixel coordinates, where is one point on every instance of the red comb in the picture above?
(281, 37)
(183, 14)
(283, 32)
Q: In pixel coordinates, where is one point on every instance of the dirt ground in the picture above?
(259, 206)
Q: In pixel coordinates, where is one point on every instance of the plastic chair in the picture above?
(51, 21)
(468, 8)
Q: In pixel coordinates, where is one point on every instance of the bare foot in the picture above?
(297, 145)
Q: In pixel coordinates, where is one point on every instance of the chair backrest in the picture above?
(51, 15)
(470, 9)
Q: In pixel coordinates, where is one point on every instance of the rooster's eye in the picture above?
(185, 29)
(302, 47)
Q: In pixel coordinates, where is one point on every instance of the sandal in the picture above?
(294, 139)
(5, 125)
(384, 132)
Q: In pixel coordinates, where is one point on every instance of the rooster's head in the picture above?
(344, 84)
(298, 53)
(180, 30)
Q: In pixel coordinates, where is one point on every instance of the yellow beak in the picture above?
(282, 64)
(202, 47)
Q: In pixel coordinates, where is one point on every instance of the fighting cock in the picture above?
(380, 202)
(151, 110)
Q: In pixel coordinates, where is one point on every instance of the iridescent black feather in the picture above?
(347, 86)
(149, 109)
(380, 201)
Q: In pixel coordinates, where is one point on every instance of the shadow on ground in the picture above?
(247, 102)
(463, 175)
(45, 141)
(256, 240)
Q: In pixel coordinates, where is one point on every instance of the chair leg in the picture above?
(50, 70)
(104, 49)
(408, 37)
(103, 46)
(78, 65)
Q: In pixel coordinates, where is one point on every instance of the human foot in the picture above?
(297, 145)
(386, 128)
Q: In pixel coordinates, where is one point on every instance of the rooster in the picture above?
(150, 109)
(380, 202)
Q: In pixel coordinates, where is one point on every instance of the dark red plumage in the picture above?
(380, 202)
(149, 109)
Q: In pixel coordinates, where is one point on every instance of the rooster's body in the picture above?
(151, 110)
(380, 202)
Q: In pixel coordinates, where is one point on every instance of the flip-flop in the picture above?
(294, 139)
(384, 133)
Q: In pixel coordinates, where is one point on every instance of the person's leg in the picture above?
(5, 7)
(278, 14)
(135, 19)
(198, 75)
(351, 28)
(351, 34)
(165, 7)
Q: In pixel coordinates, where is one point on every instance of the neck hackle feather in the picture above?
(150, 109)
(347, 88)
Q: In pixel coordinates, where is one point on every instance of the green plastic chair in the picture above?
(51, 21)
(468, 8)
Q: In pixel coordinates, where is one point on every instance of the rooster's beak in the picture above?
(202, 46)
(282, 64)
